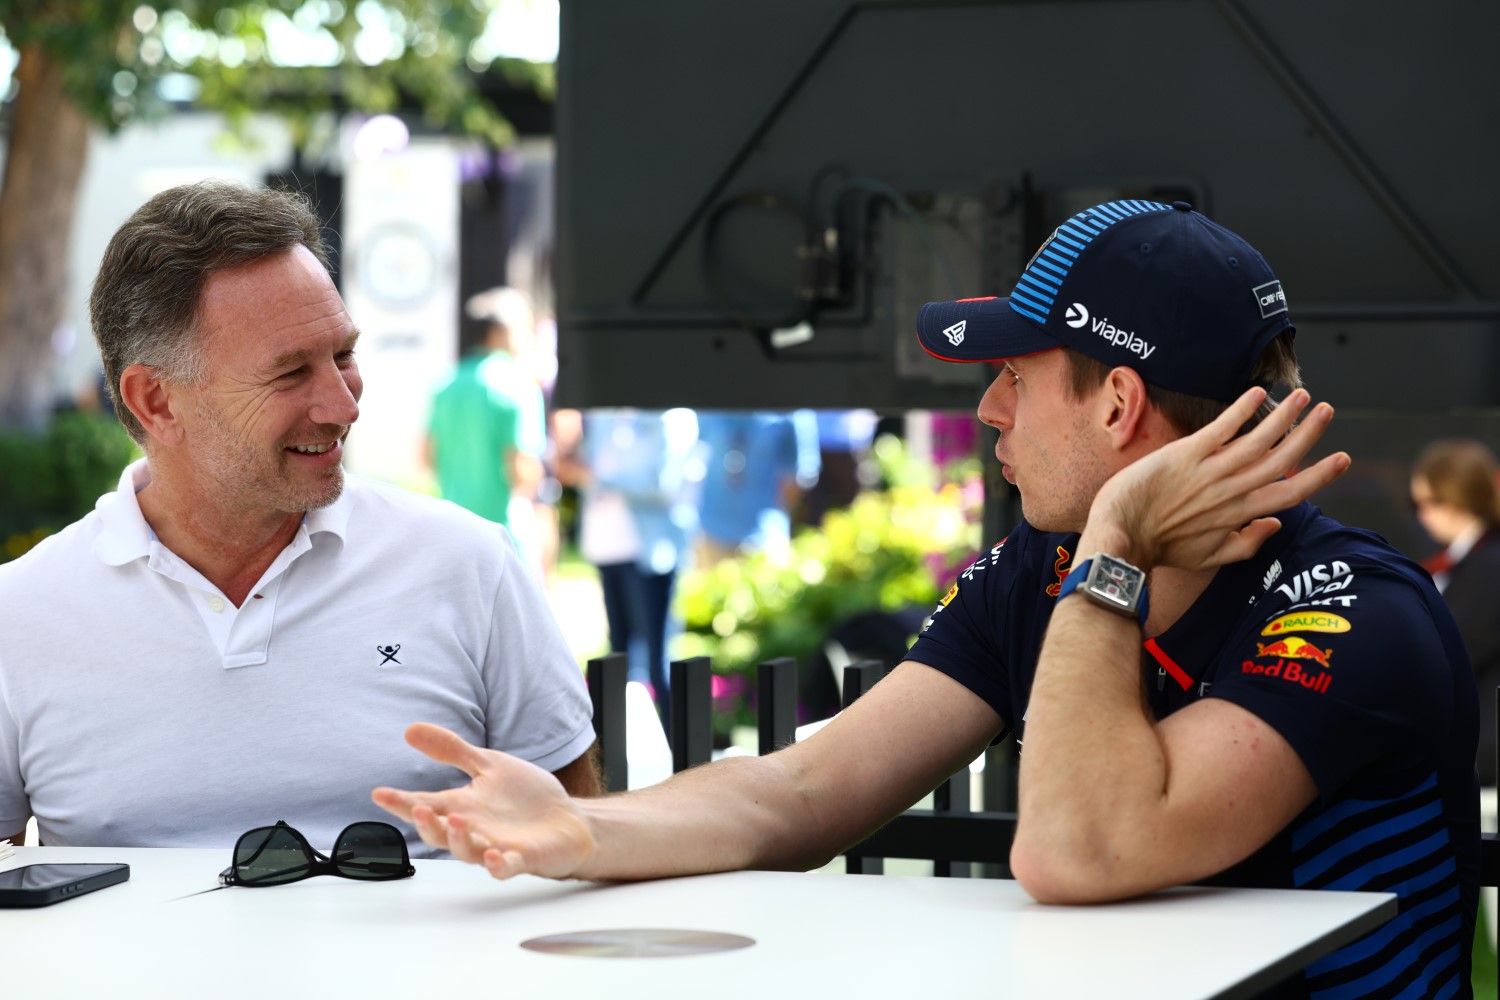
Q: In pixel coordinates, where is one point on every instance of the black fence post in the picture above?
(859, 678)
(606, 680)
(692, 713)
(776, 720)
(951, 798)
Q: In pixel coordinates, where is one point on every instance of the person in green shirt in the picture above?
(487, 429)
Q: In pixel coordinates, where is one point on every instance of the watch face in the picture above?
(1116, 582)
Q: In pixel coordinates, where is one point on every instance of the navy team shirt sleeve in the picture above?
(987, 630)
(1354, 672)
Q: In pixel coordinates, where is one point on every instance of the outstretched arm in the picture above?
(793, 809)
(1112, 803)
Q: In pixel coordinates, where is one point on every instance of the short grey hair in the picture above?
(144, 306)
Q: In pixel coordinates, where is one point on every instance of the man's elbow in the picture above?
(1051, 870)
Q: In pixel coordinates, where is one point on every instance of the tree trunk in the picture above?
(43, 165)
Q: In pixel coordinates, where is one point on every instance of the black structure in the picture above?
(606, 680)
(762, 194)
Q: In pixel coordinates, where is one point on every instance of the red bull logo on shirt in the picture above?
(1287, 652)
(1292, 672)
(1293, 648)
(1061, 569)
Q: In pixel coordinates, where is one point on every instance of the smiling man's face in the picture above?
(265, 433)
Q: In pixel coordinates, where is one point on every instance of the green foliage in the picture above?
(51, 480)
(888, 551)
(365, 54)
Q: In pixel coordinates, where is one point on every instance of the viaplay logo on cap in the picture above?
(1270, 298)
(1077, 316)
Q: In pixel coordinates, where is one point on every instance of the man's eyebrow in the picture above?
(295, 359)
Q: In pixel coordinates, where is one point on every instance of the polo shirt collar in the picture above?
(125, 535)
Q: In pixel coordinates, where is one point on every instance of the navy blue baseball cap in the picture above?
(1158, 288)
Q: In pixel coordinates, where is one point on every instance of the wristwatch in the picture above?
(1111, 583)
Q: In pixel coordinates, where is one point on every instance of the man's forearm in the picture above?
(1093, 768)
(742, 812)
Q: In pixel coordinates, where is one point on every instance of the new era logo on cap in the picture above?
(955, 333)
(1270, 298)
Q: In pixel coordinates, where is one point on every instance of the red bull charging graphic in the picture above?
(1287, 651)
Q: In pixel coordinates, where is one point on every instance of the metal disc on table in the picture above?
(637, 942)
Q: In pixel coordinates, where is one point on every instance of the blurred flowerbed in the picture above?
(894, 548)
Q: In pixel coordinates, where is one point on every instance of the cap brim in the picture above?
(979, 330)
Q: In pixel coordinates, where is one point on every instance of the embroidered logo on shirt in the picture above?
(1307, 621)
(1293, 648)
(1322, 578)
(389, 652)
(1061, 569)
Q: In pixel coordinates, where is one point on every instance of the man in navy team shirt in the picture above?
(1210, 680)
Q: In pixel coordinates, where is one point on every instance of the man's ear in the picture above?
(153, 402)
(1126, 405)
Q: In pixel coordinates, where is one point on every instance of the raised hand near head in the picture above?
(1204, 499)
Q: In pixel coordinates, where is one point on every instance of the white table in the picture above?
(451, 931)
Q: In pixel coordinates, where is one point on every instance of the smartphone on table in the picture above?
(42, 885)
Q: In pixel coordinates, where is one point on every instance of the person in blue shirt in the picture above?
(1209, 679)
(638, 522)
(756, 467)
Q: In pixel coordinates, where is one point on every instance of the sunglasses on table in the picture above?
(276, 855)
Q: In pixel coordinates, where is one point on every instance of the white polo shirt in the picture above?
(140, 708)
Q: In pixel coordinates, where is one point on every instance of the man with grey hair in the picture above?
(231, 637)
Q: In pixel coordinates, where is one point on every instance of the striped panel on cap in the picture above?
(1037, 290)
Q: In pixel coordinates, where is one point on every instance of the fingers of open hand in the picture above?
(1270, 451)
(1244, 543)
(503, 864)
(466, 841)
(1223, 429)
(394, 801)
(1269, 443)
(446, 747)
(431, 826)
(1283, 493)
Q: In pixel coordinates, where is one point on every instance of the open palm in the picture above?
(512, 817)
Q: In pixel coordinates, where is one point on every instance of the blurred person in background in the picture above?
(1453, 489)
(844, 439)
(757, 467)
(488, 427)
(637, 523)
(1455, 495)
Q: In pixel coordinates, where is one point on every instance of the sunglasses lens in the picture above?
(372, 851)
(271, 855)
